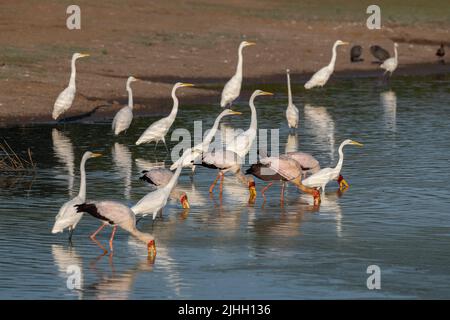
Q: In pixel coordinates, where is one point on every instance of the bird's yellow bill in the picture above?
(265, 93)
(250, 43)
(187, 85)
(235, 112)
(344, 42)
(151, 250)
(252, 191)
(96, 155)
(185, 204)
(84, 55)
(357, 143)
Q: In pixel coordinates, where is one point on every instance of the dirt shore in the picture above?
(163, 42)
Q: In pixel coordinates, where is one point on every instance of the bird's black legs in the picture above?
(70, 236)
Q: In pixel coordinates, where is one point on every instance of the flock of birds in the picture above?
(298, 168)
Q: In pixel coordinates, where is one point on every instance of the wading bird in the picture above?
(68, 217)
(307, 162)
(191, 154)
(379, 53)
(241, 144)
(124, 116)
(355, 54)
(284, 169)
(389, 65)
(159, 177)
(232, 88)
(320, 78)
(440, 53)
(156, 200)
(116, 214)
(226, 161)
(291, 111)
(65, 98)
(321, 178)
(158, 130)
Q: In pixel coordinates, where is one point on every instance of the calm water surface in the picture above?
(396, 213)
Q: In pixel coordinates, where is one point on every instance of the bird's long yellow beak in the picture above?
(250, 43)
(265, 93)
(357, 143)
(345, 43)
(96, 155)
(84, 55)
(187, 85)
(235, 112)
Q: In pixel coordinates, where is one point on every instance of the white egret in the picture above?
(291, 111)
(116, 214)
(190, 154)
(65, 98)
(232, 88)
(68, 217)
(158, 130)
(389, 65)
(321, 178)
(320, 78)
(155, 201)
(124, 116)
(242, 143)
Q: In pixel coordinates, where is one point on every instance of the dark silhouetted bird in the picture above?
(355, 54)
(379, 53)
(441, 53)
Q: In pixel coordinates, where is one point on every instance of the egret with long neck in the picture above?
(232, 88)
(66, 97)
(124, 116)
(291, 111)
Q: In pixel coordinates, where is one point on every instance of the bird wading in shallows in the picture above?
(321, 178)
(116, 214)
(65, 98)
(68, 217)
(291, 111)
(158, 129)
(124, 116)
(389, 65)
(242, 143)
(440, 53)
(320, 78)
(232, 88)
(284, 169)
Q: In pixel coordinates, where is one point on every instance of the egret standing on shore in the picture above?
(68, 217)
(65, 98)
(291, 111)
(124, 116)
(321, 178)
(320, 78)
(391, 64)
(158, 130)
(232, 88)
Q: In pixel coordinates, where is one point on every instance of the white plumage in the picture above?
(389, 65)
(321, 178)
(242, 143)
(232, 88)
(65, 98)
(158, 130)
(291, 111)
(68, 217)
(124, 116)
(320, 78)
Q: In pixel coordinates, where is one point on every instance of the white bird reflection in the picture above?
(143, 164)
(64, 152)
(65, 258)
(321, 126)
(122, 161)
(330, 205)
(389, 103)
(291, 143)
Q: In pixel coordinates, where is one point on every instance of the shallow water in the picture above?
(395, 214)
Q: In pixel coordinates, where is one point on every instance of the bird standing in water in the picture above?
(124, 116)
(391, 64)
(291, 111)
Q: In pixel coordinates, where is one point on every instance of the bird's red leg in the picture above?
(112, 238)
(222, 176)
(264, 190)
(98, 230)
(211, 188)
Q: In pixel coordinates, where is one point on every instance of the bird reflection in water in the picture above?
(123, 163)
(320, 125)
(389, 103)
(65, 258)
(64, 152)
